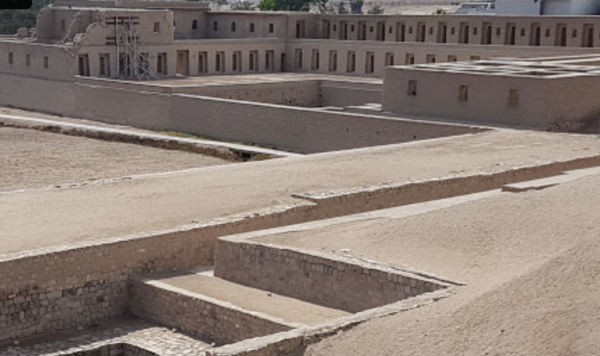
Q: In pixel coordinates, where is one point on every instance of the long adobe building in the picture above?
(94, 49)
(136, 39)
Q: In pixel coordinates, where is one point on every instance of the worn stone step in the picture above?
(219, 311)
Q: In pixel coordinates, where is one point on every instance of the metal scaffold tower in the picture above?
(131, 62)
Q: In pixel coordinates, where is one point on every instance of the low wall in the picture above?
(302, 93)
(52, 291)
(293, 93)
(341, 94)
(352, 201)
(42, 95)
(122, 349)
(325, 280)
(208, 319)
(60, 288)
(286, 128)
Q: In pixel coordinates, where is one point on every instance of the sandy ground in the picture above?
(49, 217)
(281, 307)
(530, 262)
(30, 158)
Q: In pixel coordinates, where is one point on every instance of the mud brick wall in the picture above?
(325, 280)
(197, 315)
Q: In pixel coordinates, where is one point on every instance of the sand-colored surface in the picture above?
(287, 309)
(40, 218)
(30, 159)
(530, 264)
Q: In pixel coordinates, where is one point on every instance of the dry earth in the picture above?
(30, 158)
(530, 264)
(48, 217)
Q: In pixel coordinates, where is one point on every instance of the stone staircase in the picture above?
(218, 311)
(256, 290)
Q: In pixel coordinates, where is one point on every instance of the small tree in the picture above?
(356, 6)
(242, 5)
(375, 10)
(216, 4)
(292, 5)
(441, 12)
(321, 7)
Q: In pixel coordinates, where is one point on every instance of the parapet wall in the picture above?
(208, 319)
(330, 281)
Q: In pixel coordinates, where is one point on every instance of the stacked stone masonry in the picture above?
(208, 319)
(66, 287)
(115, 350)
(325, 280)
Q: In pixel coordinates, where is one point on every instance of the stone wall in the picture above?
(65, 287)
(54, 289)
(352, 201)
(287, 128)
(329, 280)
(51, 291)
(303, 93)
(210, 320)
(121, 349)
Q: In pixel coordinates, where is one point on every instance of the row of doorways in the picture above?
(255, 64)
